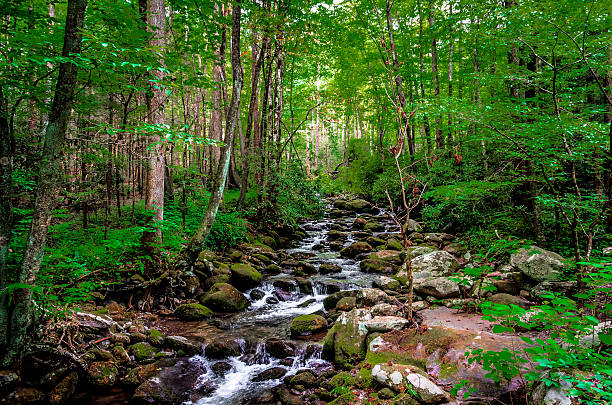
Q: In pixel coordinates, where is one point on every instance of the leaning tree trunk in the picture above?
(156, 173)
(50, 173)
(197, 241)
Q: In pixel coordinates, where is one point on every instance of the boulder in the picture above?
(392, 256)
(64, 389)
(537, 263)
(386, 283)
(346, 304)
(305, 325)
(103, 373)
(224, 298)
(394, 244)
(192, 312)
(280, 348)
(345, 342)
(368, 297)
(398, 376)
(374, 226)
(244, 276)
(221, 368)
(386, 323)
(377, 266)
(507, 299)
(413, 226)
(273, 373)
(336, 235)
(184, 345)
(359, 205)
(142, 351)
(359, 223)
(415, 251)
(172, 385)
(429, 265)
(329, 268)
(439, 287)
(305, 378)
(223, 348)
(356, 249)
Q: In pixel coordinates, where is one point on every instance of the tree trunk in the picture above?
(436, 79)
(197, 241)
(154, 194)
(49, 179)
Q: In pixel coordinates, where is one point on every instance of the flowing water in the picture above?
(269, 318)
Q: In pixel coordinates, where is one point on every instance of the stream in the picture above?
(268, 317)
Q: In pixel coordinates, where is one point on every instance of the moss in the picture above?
(142, 351)
(262, 258)
(193, 312)
(307, 324)
(156, 337)
(224, 298)
(342, 379)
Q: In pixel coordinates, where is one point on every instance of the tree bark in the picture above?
(50, 173)
(197, 241)
(156, 173)
(436, 79)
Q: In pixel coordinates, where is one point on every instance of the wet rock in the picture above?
(346, 304)
(155, 337)
(333, 235)
(306, 268)
(397, 376)
(307, 303)
(386, 323)
(344, 343)
(384, 309)
(171, 385)
(377, 242)
(223, 348)
(221, 368)
(394, 244)
(305, 325)
(336, 246)
(245, 276)
(329, 268)
(139, 374)
(286, 397)
(8, 378)
(359, 223)
(392, 256)
(192, 312)
(356, 249)
(182, 344)
(256, 295)
(507, 299)
(280, 348)
(374, 226)
(288, 284)
(103, 373)
(142, 351)
(274, 300)
(305, 378)
(224, 298)
(273, 269)
(368, 297)
(359, 205)
(273, 373)
(331, 300)
(537, 263)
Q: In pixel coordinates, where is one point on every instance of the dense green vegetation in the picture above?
(135, 135)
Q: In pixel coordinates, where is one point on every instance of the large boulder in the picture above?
(345, 343)
(244, 276)
(430, 265)
(398, 376)
(377, 266)
(537, 263)
(392, 256)
(192, 312)
(224, 298)
(439, 287)
(368, 297)
(305, 325)
(359, 205)
(356, 249)
(173, 385)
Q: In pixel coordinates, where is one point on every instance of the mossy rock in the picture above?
(193, 312)
(262, 258)
(245, 276)
(394, 244)
(273, 269)
(374, 226)
(142, 351)
(103, 373)
(224, 298)
(346, 304)
(155, 337)
(342, 379)
(305, 325)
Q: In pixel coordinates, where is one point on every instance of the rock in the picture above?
(386, 323)
(378, 242)
(384, 309)
(562, 287)
(416, 251)
(256, 295)
(224, 298)
(141, 373)
(336, 246)
(142, 351)
(386, 393)
(368, 297)
(537, 263)
(223, 348)
(392, 256)
(262, 258)
(273, 373)
(172, 385)
(287, 397)
(273, 269)
(64, 389)
(356, 249)
(244, 276)
(374, 226)
(507, 299)
(103, 373)
(414, 226)
(359, 205)
(386, 283)
(397, 375)
(552, 395)
(331, 300)
(439, 287)
(221, 368)
(192, 312)
(8, 379)
(344, 343)
(280, 348)
(346, 304)
(306, 268)
(182, 344)
(377, 266)
(506, 286)
(359, 223)
(438, 263)
(593, 338)
(394, 244)
(333, 235)
(304, 378)
(24, 395)
(329, 268)
(305, 325)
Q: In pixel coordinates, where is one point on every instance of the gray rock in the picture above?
(439, 287)
(537, 263)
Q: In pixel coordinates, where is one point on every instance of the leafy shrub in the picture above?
(228, 230)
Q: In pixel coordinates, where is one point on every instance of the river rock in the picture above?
(415, 251)
(377, 266)
(368, 297)
(413, 226)
(305, 378)
(103, 373)
(439, 287)
(182, 344)
(64, 389)
(192, 312)
(333, 235)
(305, 325)
(24, 395)
(142, 351)
(386, 283)
(431, 265)
(344, 343)
(392, 256)
(356, 249)
(346, 304)
(280, 348)
(223, 348)
(397, 376)
(224, 298)
(244, 276)
(553, 395)
(374, 226)
(172, 385)
(386, 323)
(562, 287)
(273, 373)
(394, 244)
(329, 268)
(359, 223)
(305, 268)
(359, 205)
(537, 263)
